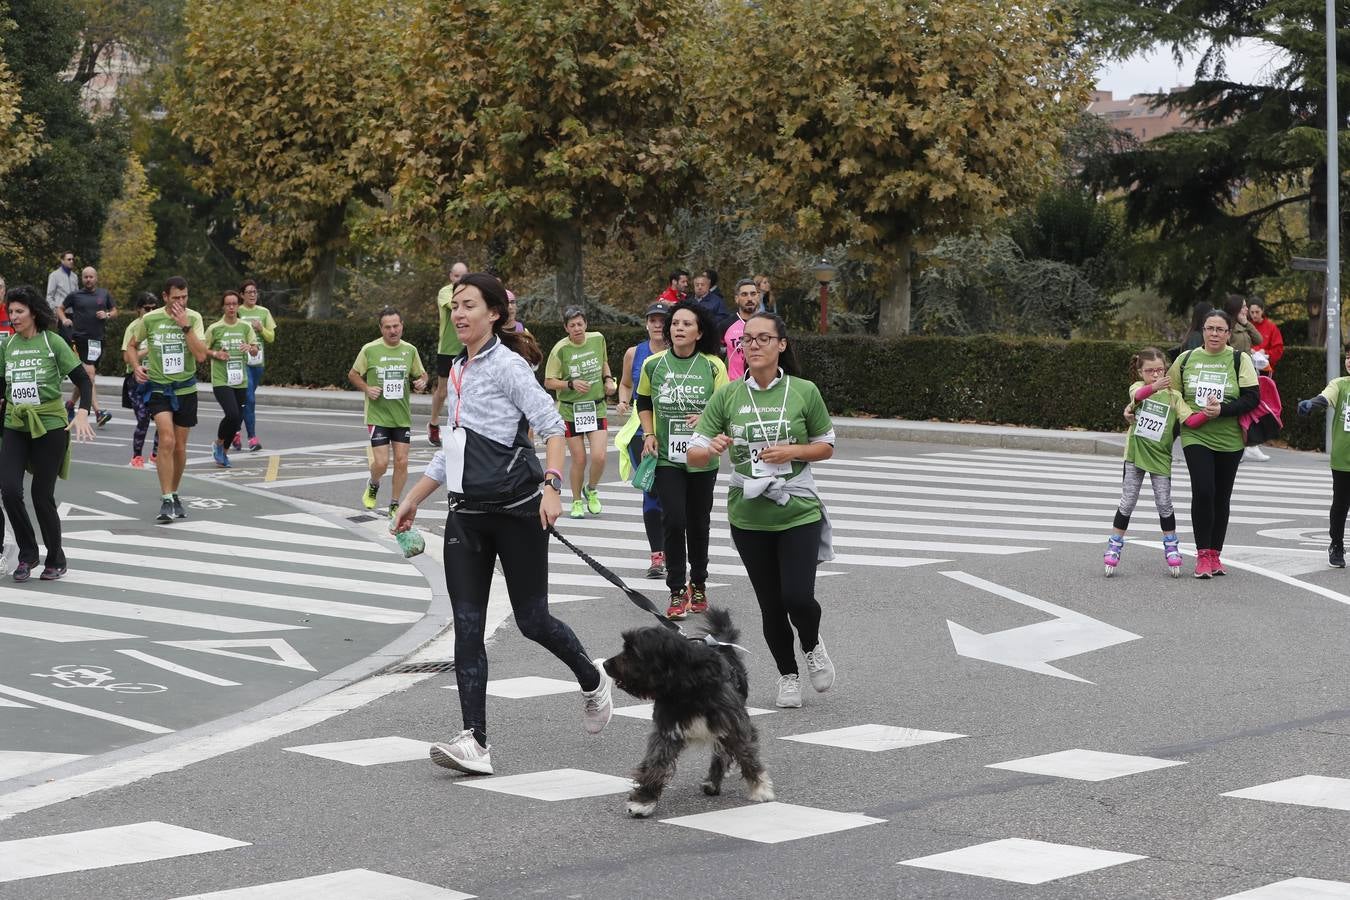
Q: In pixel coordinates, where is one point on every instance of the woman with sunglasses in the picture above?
(775, 423)
(1220, 382)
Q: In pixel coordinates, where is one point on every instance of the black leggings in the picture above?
(686, 513)
(1212, 477)
(473, 542)
(1340, 505)
(19, 450)
(651, 506)
(782, 570)
(232, 401)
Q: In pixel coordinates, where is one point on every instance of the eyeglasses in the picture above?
(759, 340)
(1216, 329)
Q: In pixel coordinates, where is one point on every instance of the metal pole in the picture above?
(1333, 274)
(824, 303)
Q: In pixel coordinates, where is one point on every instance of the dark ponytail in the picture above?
(494, 295)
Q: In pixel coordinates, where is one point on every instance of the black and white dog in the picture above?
(698, 692)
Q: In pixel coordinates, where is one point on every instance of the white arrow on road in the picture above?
(1032, 647)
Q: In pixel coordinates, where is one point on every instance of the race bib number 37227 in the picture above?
(1150, 420)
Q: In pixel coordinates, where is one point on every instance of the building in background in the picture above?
(1141, 115)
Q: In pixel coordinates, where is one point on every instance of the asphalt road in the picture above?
(1007, 723)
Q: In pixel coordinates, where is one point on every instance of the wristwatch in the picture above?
(555, 482)
(569, 384)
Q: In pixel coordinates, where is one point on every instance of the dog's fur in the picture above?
(698, 693)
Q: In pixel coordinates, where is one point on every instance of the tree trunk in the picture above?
(567, 276)
(893, 318)
(1317, 237)
(332, 231)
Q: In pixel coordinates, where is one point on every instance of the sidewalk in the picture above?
(1100, 443)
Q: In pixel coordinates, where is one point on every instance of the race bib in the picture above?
(1345, 417)
(454, 460)
(761, 469)
(256, 359)
(584, 418)
(1207, 385)
(95, 350)
(234, 372)
(24, 392)
(1150, 420)
(677, 440)
(392, 384)
(171, 358)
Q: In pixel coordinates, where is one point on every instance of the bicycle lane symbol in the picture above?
(74, 675)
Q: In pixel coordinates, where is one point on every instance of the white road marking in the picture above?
(14, 763)
(279, 536)
(177, 669)
(39, 700)
(367, 751)
(303, 519)
(141, 613)
(118, 497)
(1086, 765)
(286, 655)
(58, 632)
(98, 848)
(247, 552)
(1022, 861)
(351, 884)
(773, 823)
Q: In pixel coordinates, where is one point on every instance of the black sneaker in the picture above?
(178, 508)
(1336, 556)
(165, 511)
(51, 573)
(22, 571)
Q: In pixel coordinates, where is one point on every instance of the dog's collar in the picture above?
(714, 642)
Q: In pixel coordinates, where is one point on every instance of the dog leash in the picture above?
(639, 599)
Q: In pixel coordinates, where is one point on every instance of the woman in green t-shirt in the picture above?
(775, 424)
(578, 369)
(673, 389)
(33, 364)
(229, 341)
(1220, 382)
(1337, 396)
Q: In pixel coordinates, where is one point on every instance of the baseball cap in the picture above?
(659, 308)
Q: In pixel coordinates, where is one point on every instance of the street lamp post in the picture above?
(824, 273)
(1333, 298)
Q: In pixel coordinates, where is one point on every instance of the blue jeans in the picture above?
(255, 375)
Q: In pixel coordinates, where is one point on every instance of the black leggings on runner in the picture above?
(232, 401)
(686, 514)
(473, 542)
(19, 450)
(1340, 505)
(782, 570)
(1212, 477)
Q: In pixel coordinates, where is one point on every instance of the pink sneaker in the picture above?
(138, 462)
(1204, 565)
(253, 445)
(237, 443)
(1216, 564)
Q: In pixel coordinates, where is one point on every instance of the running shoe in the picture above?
(369, 495)
(178, 512)
(578, 510)
(434, 435)
(102, 417)
(593, 501)
(464, 754)
(698, 598)
(1111, 558)
(51, 573)
(138, 462)
(218, 454)
(253, 445)
(820, 667)
(679, 605)
(597, 706)
(165, 511)
(789, 692)
(1172, 553)
(1336, 556)
(22, 572)
(1216, 564)
(1254, 454)
(9, 558)
(658, 567)
(237, 443)
(1203, 567)
(154, 457)
(393, 508)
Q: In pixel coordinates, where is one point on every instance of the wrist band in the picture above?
(548, 472)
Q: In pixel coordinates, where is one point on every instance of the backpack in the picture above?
(1263, 423)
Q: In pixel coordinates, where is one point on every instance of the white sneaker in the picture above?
(789, 692)
(9, 558)
(463, 754)
(1255, 454)
(596, 706)
(819, 667)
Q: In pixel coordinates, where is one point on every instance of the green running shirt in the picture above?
(679, 388)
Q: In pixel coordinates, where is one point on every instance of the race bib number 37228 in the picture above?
(1209, 386)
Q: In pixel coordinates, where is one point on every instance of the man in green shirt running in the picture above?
(384, 371)
(169, 384)
(446, 351)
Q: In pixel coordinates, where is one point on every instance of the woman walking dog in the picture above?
(501, 506)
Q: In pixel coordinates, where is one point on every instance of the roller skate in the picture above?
(1115, 545)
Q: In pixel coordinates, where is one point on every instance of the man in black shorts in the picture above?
(88, 310)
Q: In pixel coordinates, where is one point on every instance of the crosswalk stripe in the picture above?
(304, 519)
(237, 572)
(113, 609)
(98, 848)
(1070, 456)
(278, 536)
(57, 632)
(863, 543)
(636, 564)
(352, 884)
(249, 552)
(229, 593)
(39, 700)
(175, 668)
(878, 543)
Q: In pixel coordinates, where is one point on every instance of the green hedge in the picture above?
(1038, 382)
